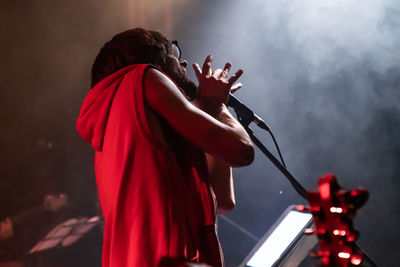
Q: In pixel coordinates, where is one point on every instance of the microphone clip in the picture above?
(245, 115)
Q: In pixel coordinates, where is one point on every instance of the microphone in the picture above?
(245, 113)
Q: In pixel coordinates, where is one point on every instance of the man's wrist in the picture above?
(209, 107)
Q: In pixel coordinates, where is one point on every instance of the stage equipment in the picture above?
(334, 210)
(284, 244)
(76, 242)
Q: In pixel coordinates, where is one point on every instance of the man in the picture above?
(162, 163)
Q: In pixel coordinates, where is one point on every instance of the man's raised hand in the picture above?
(214, 86)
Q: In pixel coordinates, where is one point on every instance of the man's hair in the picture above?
(135, 46)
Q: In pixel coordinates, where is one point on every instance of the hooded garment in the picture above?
(155, 197)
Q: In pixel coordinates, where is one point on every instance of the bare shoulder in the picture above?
(153, 73)
(162, 95)
(155, 78)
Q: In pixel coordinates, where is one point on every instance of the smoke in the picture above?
(325, 75)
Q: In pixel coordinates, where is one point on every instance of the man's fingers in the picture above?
(227, 68)
(217, 73)
(207, 66)
(235, 76)
(197, 71)
(236, 87)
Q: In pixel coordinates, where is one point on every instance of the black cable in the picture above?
(246, 116)
(277, 148)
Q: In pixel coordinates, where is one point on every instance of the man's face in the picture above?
(175, 68)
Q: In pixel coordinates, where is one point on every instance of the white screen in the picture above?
(283, 235)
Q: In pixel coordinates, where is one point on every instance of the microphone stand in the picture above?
(245, 117)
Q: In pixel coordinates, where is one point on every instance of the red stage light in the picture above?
(335, 232)
(336, 210)
(351, 238)
(356, 259)
(325, 191)
(339, 232)
(326, 260)
(344, 255)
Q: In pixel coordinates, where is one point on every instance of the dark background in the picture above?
(324, 75)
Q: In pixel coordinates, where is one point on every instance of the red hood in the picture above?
(95, 109)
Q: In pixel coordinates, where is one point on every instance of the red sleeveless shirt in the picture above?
(156, 198)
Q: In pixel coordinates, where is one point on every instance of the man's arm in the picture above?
(220, 171)
(210, 125)
(215, 131)
(222, 184)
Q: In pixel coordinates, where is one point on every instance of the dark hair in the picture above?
(135, 46)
